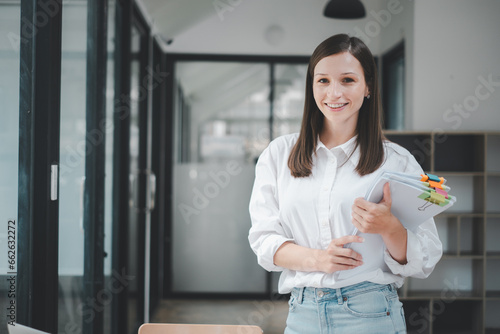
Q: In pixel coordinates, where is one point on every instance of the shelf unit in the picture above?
(462, 295)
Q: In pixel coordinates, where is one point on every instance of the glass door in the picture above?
(140, 176)
(72, 308)
(75, 147)
(222, 113)
(288, 107)
(288, 102)
(133, 224)
(9, 154)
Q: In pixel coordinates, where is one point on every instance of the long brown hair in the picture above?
(368, 128)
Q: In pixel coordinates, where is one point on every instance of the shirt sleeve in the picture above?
(424, 249)
(266, 234)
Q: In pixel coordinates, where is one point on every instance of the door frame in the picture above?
(143, 56)
(38, 181)
(171, 59)
(121, 159)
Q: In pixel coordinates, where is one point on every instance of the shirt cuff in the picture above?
(265, 254)
(414, 258)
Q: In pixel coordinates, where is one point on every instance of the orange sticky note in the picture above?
(435, 184)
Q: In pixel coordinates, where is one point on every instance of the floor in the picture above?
(268, 315)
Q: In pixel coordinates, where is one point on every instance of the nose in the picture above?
(334, 90)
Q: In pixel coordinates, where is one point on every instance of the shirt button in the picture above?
(325, 222)
(321, 294)
(325, 188)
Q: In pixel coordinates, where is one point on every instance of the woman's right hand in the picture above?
(335, 257)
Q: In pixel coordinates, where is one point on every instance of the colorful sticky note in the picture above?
(437, 198)
(436, 185)
(442, 192)
(434, 178)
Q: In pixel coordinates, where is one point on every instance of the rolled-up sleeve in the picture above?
(423, 252)
(266, 234)
(423, 249)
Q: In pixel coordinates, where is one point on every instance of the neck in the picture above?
(335, 136)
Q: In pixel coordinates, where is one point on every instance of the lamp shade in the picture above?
(344, 9)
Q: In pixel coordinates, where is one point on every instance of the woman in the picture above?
(308, 199)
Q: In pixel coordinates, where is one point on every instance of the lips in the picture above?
(336, 105)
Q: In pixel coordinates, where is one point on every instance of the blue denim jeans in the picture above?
(360, 308)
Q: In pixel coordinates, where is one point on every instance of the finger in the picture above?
(357, 223)
(340, 242)
(345, 261)
(356, 215)
(360, 202)
(357, 209)
(350, 255)
(387, 195)
(363, 204)
(345, 256)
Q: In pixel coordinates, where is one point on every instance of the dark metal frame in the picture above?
(139, 21)
(167, 182)
(39, 123)
(121, 158)
(172, 58)
(160, 169)
(93, 218)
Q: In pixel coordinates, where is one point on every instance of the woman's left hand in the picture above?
(377, 218)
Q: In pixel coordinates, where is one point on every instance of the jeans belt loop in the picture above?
(340, 300)
(300, 297)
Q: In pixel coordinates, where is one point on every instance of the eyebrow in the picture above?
(345, 73)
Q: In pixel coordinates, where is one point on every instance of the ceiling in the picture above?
(291, 27)
(172, 17)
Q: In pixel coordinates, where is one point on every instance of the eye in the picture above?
(323, 80)
(348, 80)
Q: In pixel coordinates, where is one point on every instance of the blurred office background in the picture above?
(154, 117)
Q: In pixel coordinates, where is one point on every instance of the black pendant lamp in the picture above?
(344, 9)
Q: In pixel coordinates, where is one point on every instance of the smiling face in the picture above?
(339, 89)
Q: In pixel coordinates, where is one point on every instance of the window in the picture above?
(393, 84)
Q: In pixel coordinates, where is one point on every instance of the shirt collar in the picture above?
(349, 147)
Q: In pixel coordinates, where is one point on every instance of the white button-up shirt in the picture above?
(314, 210)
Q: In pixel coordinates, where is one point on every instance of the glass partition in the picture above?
(133, 224)
(288, 107)
(73, 311)
(72, 169)
(289, 88)
(222, 112)
(9, 137)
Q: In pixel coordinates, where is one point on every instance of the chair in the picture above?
(198, 329)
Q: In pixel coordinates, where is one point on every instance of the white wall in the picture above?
(456, 43)
(299, 26)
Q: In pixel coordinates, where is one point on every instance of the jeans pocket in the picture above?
(370, 304)
(398, 315)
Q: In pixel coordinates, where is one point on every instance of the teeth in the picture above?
(337, 105)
